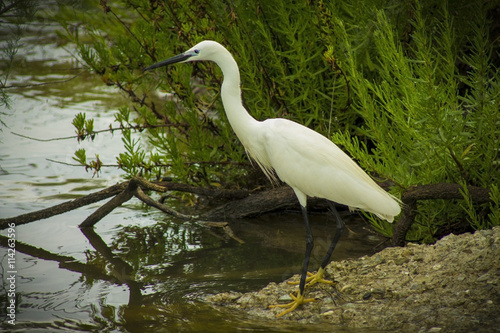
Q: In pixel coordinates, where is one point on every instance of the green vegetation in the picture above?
(411, 90)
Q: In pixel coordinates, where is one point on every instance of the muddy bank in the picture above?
(451, 286)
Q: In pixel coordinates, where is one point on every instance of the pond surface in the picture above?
(138, 270)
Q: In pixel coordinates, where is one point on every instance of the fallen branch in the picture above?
(215, 193)
(430, 192)
(241, 203)
(107, 208)
(139, 194)
(256, 204)
(65, 206)
(117, 190)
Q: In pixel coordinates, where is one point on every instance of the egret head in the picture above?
(206, 50)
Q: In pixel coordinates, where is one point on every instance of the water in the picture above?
(138, 270)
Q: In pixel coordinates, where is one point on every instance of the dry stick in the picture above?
(124, 196)
(65, 206)
(135, 189)
(139, 194)
(108, 207)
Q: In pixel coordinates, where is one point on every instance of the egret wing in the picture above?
(314, 165)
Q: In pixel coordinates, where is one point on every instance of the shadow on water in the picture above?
(137, 271)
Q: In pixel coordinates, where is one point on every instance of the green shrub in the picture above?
(409, 89)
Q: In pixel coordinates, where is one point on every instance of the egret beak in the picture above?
(169, 61)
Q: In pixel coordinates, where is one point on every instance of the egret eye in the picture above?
(197, 51)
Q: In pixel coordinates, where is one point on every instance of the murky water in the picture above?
(138, 270)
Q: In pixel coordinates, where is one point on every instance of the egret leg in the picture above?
(318, 277)
(336, 237)
(299, 299)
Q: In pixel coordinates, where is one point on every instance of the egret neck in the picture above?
(243, 124)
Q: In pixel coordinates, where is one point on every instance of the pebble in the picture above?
(285, 298)
(451, 286)
(483, 277)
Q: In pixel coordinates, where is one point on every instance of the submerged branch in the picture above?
(225, 227)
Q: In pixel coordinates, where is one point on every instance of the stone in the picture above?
(451, 286)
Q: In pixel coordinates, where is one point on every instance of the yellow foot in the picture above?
(297, 300)
(312, 279)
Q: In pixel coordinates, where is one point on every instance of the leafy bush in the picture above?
(409, 89)
(425, 115)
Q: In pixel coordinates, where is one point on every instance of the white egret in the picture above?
(308, 162)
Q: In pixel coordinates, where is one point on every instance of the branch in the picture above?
(225, 226)
(256, 204)
(139, 194)
(111, 129)
(123, 192)
(242, 203)
(430, 192)
(444, 191)
(7, 8)
(156, 164)
(107, 208)
(64, 207)
(216, 193)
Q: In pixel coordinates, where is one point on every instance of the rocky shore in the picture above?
(451, 286)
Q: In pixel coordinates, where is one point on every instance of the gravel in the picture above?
(450, 286)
